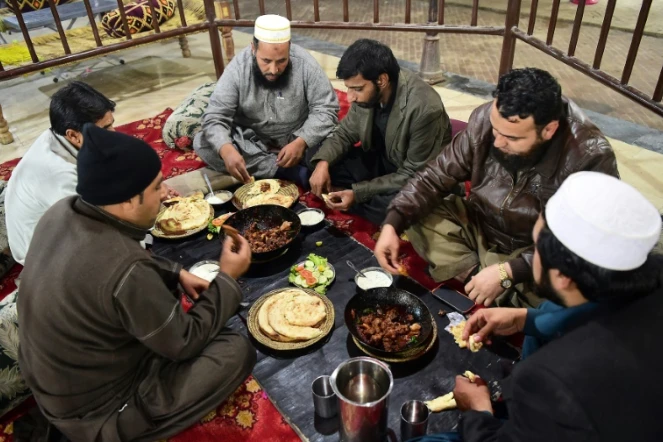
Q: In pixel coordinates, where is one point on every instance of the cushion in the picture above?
(185, 121)
(33, 5)
(13, 390)
(139, 17)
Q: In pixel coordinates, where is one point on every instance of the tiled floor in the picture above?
(156, 77)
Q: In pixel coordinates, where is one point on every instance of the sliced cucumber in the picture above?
(328, 274)
(299, 280)
(316, 274)
(310, 265)
(323, 280)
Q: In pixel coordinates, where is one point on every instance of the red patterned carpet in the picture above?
(248, 415)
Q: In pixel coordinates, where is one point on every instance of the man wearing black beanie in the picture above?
(105, 346)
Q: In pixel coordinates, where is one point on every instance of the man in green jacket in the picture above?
(400, 122)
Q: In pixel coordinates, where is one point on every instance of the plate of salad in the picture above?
(314, 273)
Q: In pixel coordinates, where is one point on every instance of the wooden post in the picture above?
(430, 69)
(223, 12)
(509, 42)
(5, 136)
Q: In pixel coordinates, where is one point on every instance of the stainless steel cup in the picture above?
(414, 419)
(363, 386)
(324, 398)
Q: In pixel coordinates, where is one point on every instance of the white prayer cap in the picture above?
(272, 29)
(604, 221)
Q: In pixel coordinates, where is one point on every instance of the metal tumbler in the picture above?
(414, 419)
(324, 398)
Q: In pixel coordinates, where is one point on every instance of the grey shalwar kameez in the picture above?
(258, 121)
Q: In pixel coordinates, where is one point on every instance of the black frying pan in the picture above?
(267, 216)
(384, 297)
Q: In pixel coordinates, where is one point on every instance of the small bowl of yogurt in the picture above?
(219, 198)
(311, 217)
(374, 277)
(207, 269)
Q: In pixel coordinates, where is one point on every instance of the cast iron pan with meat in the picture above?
(384, 299)
(279, 226)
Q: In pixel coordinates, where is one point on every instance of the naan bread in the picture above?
(264, 187)
(263, 315)
(183, 214)
(446, 402)
(305, 311)
(278, 199)
(281, 326)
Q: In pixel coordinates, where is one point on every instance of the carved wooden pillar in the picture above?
(184, 46)
(5, 136)
(223, 12)
(430, 69)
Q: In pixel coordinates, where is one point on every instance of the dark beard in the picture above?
(545, 290)
(515, 163)
(372, 101)
(280, 82)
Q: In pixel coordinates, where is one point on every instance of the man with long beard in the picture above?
(516, 151)
(272, 102)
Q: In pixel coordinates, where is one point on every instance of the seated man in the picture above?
(594, 381)
(400, 122)
(47, 172)
(272, 102)
(106, 347)
(515, 151)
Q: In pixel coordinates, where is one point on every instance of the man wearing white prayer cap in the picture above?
(599, 333)
(271, 104)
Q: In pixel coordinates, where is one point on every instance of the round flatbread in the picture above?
(264, 187)
(278, 199)
(183, 214)
(305, 311)
(276, 317)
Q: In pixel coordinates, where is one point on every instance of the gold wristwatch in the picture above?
(505, 281)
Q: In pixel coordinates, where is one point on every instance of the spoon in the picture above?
(352, 266)
(208, 183)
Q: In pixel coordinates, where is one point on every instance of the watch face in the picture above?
(507, 283)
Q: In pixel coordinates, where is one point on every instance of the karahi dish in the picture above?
(389, 328)
(269, 229)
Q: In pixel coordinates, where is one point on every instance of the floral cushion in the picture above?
(139, 17)
(13, 390)
(32, 5)
(184, 123)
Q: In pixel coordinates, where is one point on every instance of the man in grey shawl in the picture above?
(272, 102)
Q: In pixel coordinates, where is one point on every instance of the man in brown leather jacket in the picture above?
(516, 151)
(399, 120)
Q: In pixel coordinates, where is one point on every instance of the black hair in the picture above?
(76, 104)
(370, 58)
(598, 284)
(529, 92)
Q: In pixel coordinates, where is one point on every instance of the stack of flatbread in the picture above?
(292, 315)
(266, 192)
(183, 214)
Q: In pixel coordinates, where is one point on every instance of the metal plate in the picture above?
(254, 327)
(287, 188)
(333, 278)
(158, 233)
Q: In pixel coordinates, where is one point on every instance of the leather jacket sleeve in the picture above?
(434, 182)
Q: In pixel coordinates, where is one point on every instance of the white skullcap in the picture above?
(272, 29)
(604, 221)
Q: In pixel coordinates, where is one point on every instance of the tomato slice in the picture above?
(217, 222)
(306, 274)
(311, 280)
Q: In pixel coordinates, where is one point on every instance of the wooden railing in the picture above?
(510, 32)
(593, 70)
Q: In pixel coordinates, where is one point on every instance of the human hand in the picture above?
(291, 154)
(192, 284)
(320, 180)
(235, 164)
(235, 256)
(472, 395)
(170, 192)
(386, 250)
(341, 200)
(485, 286)
(494, 321)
